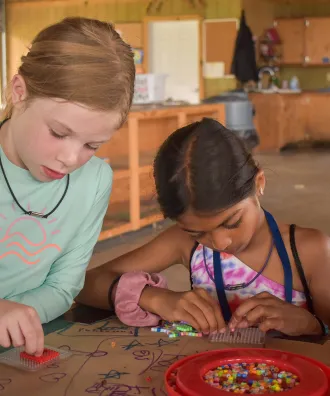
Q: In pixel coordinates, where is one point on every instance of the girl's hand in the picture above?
(20, 325)
(271, 313)
(195, 307)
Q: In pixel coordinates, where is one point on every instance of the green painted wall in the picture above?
(297, 9)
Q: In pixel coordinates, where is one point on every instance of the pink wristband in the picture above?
(128, 293)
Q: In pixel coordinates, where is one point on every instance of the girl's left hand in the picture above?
(271, 313)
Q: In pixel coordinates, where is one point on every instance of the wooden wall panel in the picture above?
(297, 9)
(259, 15)
(223, 9)
(26, 18)
(132, 33)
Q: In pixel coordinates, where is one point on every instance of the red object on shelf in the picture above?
(314, 376)
(272, 36)
(46, 356)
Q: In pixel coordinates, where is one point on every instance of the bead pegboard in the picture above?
(251, 335)
(17, 357)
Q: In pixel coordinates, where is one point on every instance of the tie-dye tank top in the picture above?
(234, 272)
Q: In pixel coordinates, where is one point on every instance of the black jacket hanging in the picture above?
(244, 65)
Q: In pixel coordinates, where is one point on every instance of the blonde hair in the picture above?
(79, 60)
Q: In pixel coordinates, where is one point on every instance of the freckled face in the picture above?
(53, 138)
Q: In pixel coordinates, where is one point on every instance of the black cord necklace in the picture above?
(241, 285)
(31, 212)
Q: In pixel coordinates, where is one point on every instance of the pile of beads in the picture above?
(177, 329)
(251, 378)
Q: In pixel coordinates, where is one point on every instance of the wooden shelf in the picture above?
(116, 220)
(110, 230)
(125, 173)
(131, 153)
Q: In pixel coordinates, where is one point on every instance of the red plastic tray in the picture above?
(314, 376)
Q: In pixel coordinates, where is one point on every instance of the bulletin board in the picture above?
(132, 33)
(219, 37)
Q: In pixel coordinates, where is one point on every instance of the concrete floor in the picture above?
(297, 191)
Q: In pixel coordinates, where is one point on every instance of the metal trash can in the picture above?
(239, 116)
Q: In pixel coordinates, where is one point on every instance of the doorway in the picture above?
(174, 48)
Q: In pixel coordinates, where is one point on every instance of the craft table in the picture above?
(110, 358)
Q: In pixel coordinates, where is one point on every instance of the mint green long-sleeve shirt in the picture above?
(43, 261)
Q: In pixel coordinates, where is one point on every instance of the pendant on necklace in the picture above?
(35, 214)
(235, 287)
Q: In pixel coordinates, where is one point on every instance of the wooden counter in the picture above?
(131, 151)
(290, 118)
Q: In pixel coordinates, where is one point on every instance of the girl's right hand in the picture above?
(20, 325)
(195, 307)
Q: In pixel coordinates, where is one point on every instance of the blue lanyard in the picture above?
(281, 250)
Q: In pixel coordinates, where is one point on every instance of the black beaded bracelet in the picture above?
(113, 284)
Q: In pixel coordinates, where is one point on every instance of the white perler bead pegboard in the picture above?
(12, 357)
(251, 335)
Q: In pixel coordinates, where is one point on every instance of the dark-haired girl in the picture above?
(245, 269)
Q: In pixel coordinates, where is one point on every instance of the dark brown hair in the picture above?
(205, 167)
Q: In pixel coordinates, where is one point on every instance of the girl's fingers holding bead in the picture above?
(262, 313)
(243, 324)
(207, 309)
(212, 320)
(188, 318)
(240, 313)
(217, 322)
(197, 313)
(249, 305)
